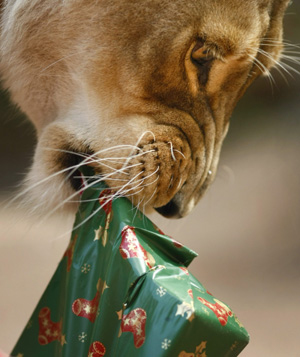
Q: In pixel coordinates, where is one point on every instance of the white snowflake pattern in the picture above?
(185, 310)
(82, 337)
(161, 291)
(166, 344)
(85, 268)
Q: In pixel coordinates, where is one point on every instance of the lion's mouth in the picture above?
(71, 161)
(160, 173)
(76, 180)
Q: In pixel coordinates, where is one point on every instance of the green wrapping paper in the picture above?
(123, 288)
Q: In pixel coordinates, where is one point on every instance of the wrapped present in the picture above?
(123, 288)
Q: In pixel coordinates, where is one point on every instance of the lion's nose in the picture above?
(170, 210)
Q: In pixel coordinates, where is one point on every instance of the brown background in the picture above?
(246, 228)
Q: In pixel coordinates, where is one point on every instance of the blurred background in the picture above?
(246, 228)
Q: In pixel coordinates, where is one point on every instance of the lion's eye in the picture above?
(200, 55)
(203, 60)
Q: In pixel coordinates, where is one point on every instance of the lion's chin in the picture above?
(170, 210)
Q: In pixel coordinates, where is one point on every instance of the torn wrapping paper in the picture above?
(123, 288)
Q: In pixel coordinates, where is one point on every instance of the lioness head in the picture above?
(142, 90)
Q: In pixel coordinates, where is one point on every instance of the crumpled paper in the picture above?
(123, 288)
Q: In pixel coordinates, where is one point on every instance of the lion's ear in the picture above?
(272, 40)
(277, 12)
(271, 43)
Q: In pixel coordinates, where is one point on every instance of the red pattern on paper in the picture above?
(70, 252)
(49, 331)
(105, 200)
(88, 308)
(135, 322)
(185, 270)
(97, 349)
(221, 310)
(158, 229)
(176, 243)
(131, 248)
(190, 292)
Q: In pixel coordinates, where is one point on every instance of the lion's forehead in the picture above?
(158, 33)
(166, 20)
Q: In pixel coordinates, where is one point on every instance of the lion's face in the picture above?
(141, 90)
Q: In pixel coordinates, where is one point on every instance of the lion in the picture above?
(142, 90)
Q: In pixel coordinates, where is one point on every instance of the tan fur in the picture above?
(95, 74)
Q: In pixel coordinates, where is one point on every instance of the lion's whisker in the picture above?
(172, 152)
(179, 152)
(293, 59)
(152, 182)
(263, 69)
(124, 158)
(76, 193)
(110, 198)
(31, 187)
(83, 222)
(140, 182)
(137, 143)
(137, 208)
(277, 66)
(179, 183)
(61, 59)
(149, 200)
(101, 206)
(98, 176)
(279, 42)
(88, 158)
(112, 148)
(292, 69)
(266, 54)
